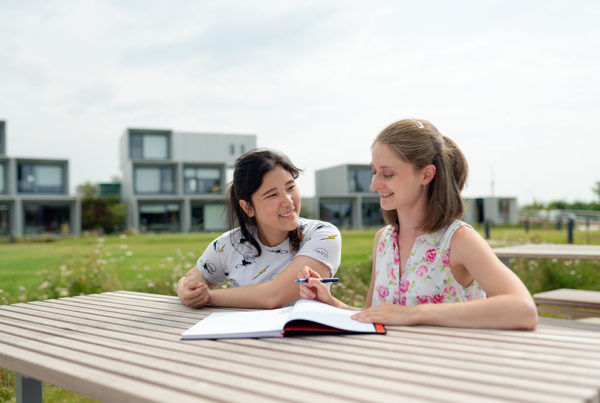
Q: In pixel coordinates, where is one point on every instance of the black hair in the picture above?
(249, 171)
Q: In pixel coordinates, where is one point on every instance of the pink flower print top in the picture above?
(426, 278)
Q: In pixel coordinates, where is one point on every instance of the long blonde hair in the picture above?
(419, 143)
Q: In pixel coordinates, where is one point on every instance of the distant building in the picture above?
(34, 196)
(344, 198)
(175, 181)
(496, 210)
(108, 190)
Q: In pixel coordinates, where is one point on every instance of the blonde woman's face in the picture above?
(399, 183)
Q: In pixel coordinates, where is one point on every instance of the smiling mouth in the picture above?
(288, 214)
(385, 195)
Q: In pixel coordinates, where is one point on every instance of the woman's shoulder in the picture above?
(309, 226)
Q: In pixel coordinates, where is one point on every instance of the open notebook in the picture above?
(304, 317)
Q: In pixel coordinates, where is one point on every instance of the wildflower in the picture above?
(128, 253)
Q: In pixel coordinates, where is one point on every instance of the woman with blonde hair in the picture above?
(428, 266)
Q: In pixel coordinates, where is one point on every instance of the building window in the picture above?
(3, 178)
(4, 223)
(159, 217)
(208, 217)
(201, 180)
(41, 178)
(359, 180)
(2, 138)
(41, 219)
(232, 149)
(339, 213)
(242, 149)
(371, 214)
(154, 180)
(149, 146)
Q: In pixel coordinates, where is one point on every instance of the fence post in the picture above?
(570, 226)
(527, 224)
(487, 229)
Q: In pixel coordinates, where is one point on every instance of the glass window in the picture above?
(359, 180)
(2, 138)
(232, 149)
(41, 178)
(371, 214)
(153, 146)
(202, 180)
(208, 217)
(2, 179)
(159, 217)
(154, 180)
(40, 219)
(339, 213)
(4, 228)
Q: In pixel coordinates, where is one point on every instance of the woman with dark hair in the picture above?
(428, 266)
(271, 244)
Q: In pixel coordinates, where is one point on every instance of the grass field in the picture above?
(32, 270)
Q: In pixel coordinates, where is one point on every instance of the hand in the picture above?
(192, 289)
(314, 289)
(389, 314)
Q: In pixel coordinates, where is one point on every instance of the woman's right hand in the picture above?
(192, 289)
(314, 288)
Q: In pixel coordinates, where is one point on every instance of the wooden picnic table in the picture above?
(548, 251)
(125, 346)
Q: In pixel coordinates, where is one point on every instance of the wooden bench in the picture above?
(572, 304)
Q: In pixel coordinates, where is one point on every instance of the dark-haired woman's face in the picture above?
(276, 206)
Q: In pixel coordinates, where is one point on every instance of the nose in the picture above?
(374, 183)
(287, 199)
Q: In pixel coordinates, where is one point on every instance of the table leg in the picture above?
(29, 390)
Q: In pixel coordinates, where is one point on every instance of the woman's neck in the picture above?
(410, 223)
(271, 239)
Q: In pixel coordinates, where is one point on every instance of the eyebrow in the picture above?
(382, 167)
(274, 188)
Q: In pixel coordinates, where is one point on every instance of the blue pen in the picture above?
(323, 280)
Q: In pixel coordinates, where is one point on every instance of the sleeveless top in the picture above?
(426, 277)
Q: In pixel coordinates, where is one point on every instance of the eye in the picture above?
(387, 175)
(292, 187)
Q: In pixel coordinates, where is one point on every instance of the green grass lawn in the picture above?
(152, 263)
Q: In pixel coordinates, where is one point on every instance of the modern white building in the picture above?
(34, 196)
(495, 210)
(176, 181)
(344, 198)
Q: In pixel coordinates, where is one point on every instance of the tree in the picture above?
(86, 190)
(105, 213)
(596, 189)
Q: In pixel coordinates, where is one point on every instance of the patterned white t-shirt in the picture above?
(231, 257)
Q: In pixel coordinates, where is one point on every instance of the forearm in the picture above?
(262, 296)
(498, 312)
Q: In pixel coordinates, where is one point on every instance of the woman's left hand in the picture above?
(388, 314)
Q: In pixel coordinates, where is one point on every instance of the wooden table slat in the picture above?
(134, 339)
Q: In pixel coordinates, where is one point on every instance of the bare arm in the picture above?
(273, 294)
(316, 290)
(192, 289)
(508, 304)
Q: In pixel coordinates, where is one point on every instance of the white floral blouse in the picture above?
(426, 277)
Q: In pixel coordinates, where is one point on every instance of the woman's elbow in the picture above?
(528, 318)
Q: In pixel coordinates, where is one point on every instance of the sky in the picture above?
(516, 84)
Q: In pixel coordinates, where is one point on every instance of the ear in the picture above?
(428, 174)
(247, 207)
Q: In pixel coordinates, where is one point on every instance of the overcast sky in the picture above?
(515, 83)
